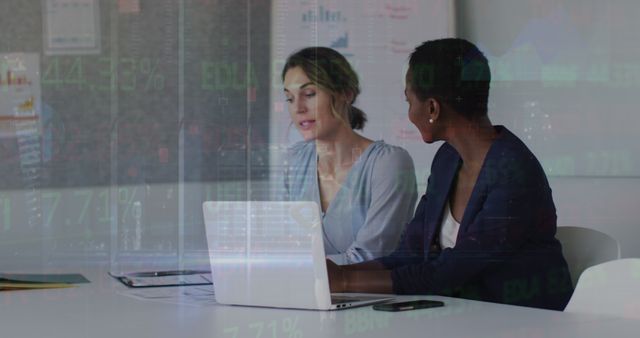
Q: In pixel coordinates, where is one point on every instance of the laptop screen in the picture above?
(267, 253)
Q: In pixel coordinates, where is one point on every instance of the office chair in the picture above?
(583, 248)
(611, 288)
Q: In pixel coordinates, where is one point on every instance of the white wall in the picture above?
(566, 76)
(609, 205)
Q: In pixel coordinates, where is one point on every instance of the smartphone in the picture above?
(410, 305)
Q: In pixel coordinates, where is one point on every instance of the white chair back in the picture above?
(584, 247)
(611, 288)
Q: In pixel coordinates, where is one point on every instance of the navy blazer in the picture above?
(505, 252)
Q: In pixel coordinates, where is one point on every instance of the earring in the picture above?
(430, 120)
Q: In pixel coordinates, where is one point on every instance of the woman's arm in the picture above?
(506, 220)
(508, 217)
(367, 277)
(503, 231)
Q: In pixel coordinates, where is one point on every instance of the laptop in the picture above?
(271, 254)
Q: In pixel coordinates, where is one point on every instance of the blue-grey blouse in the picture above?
(366, 217)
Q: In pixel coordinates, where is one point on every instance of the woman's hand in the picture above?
(368, 277)
(337, 277)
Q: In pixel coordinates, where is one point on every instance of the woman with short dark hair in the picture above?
(485, 228)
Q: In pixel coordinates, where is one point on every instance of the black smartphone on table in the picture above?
(410, 305)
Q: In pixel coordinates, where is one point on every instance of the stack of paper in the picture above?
(13, 281)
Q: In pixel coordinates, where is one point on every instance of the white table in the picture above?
(99, 310)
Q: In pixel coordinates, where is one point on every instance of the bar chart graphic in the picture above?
(7, 78)
(19, 93)
(341, 42)
(322, 14)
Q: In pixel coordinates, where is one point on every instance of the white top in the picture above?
(448, 229)
(366, 217)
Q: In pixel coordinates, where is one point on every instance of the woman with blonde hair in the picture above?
(366, 189)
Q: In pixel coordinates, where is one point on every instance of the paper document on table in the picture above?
(191, 295)
(170, 280)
